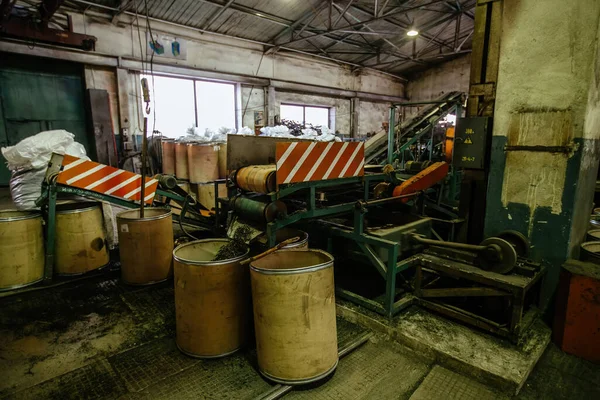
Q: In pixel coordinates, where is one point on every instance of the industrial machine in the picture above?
(375, 220)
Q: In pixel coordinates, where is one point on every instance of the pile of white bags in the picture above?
(28, 161)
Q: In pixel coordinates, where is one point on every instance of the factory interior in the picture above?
(317, 199)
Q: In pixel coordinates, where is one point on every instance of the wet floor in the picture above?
(99, 339)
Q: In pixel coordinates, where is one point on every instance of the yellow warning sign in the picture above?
(468, 141)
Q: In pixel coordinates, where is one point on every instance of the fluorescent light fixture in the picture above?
(412, 32)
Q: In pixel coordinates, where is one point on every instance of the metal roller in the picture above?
(257, 210)
(256, 178)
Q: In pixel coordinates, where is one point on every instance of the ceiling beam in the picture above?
(359, 24)
(217, 14)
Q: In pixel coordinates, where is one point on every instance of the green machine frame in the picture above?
(364, 240)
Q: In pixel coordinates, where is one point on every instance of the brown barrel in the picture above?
(145, 245)
(222, 160)
(590, 251)
(593, 235)
(256, 178)
(212, 299)
(294, 315)
(21, 249)
(203, 162)
(168, 156)
(206, 194)
(80, 239)
(181, 161)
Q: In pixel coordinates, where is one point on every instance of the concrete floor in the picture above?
(97, 338)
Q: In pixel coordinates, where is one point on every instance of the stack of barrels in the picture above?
(80, 243)
(196, 166)
(292, 298)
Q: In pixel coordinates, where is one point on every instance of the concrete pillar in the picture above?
(545, 152)
(272, 105)
(354, 117)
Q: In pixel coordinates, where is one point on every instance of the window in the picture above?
(180, 103)
(307, 115)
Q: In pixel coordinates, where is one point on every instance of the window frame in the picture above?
(304, 111)
(236, 92)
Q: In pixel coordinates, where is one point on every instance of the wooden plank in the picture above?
(464, 292)
(477, 55)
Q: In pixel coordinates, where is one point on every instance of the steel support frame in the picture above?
(49, 196)
(364, 241)
(489, 284)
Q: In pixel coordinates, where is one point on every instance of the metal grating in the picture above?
(373, 371)
(444, 384)
(146, 365)
(93, 381)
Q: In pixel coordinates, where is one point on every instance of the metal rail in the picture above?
(279, 391)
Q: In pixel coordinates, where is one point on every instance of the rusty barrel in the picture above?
(21, 249)
(256, 178)
(212, 299)
(222, 160)
(168, 156)
(294, 315)
(145, 245)
(80, 239)
(181, 161)
(203, 162)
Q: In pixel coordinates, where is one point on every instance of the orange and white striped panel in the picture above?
(100, 178)
(316, 161)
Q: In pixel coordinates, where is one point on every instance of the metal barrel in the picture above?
(593, 235)
(203, 162)
(80, 239)
(168, 156)
(590, 251)
(222, 160)
(294, 315)
(256, 178)
(145, 245)
(21, 249)
(212, 299)
(181, 161)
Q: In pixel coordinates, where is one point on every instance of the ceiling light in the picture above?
(412, 32)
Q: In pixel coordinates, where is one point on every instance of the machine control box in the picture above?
(470, 142)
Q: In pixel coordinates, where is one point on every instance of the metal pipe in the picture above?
(144, 155)
(279, 391)
(387, 200)
(391, 128)
(451, 245)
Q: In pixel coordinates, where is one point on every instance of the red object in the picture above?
(316, 161)
(577, 319)
(423, 180)
(100, 178)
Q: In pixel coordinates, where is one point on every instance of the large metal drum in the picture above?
(222, 160)
(256, 178)
(294, 315)
(181, 161)
(168, 156)
(21, 249)
(145, 245)
(203, 163)
(212, 299)
(80, 239)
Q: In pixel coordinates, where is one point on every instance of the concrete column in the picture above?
(354, 117)
(272, 105)
(545, 152)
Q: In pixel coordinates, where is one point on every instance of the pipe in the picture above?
(144, 156)
(451, 245)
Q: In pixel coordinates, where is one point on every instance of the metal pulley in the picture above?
(494, 254)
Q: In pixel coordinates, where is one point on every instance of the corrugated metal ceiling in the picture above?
(327, 29)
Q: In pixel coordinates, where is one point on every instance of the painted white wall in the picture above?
(447, 77)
